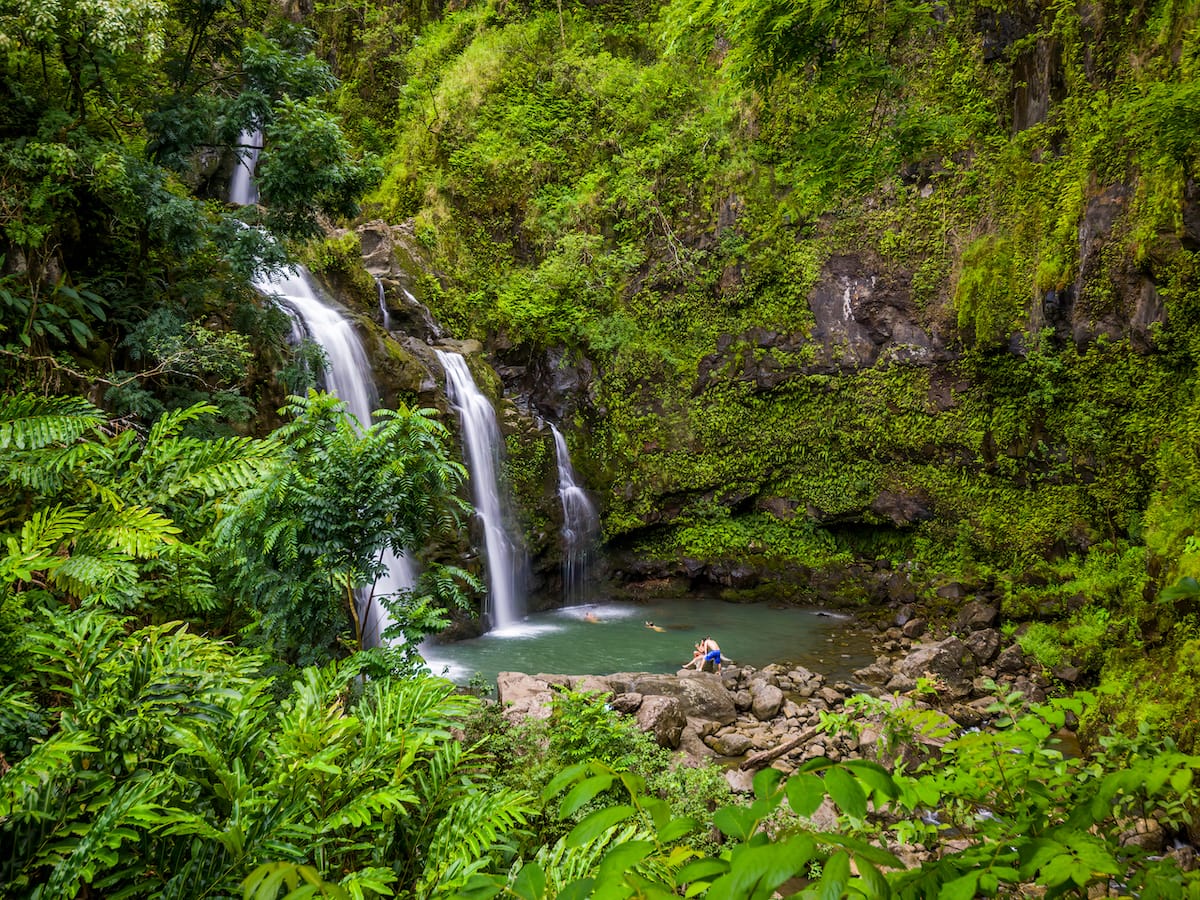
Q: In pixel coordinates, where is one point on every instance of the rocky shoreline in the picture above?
(746, 717)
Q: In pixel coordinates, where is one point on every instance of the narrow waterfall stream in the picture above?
(580, 529)
(348, 375)
(484, 446)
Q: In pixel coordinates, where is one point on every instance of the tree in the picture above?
(305, 541)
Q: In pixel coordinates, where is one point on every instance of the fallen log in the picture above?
(758, 760)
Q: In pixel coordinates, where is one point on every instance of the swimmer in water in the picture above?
(591, 617)
(654, 627)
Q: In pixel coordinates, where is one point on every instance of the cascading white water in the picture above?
(348, 376)
(580, 528)
(242, 189)
(485, 448)
(385, 316)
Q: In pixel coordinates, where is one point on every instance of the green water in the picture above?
(564, 641)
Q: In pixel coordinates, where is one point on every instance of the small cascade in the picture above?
(485, 452)
(242, 189)
(580, 528)
(348, 375)
(384, 315)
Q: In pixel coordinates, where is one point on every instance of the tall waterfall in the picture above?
(580, 528)
(485, 452)
(348, 377)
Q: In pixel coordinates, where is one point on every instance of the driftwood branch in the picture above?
(758, 760)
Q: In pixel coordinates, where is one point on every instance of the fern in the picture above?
(28, 422)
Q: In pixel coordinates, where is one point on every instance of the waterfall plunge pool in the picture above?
(567, 642)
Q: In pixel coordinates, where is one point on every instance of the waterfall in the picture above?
(242, 189)
(348, 375)
(485, 453)
(580, 528)
(384, 315)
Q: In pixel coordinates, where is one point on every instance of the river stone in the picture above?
(691, 744)
(663, 718)
(516, 687)
(592, 684)
(913, 628)
(976, 615)
(700, 695)
(984, 645)
(626, 703)
(1011, 659)
(730, 743)
(948, 661)
(767, 699)
(742, 700)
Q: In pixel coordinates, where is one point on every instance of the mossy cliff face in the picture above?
(919, 298)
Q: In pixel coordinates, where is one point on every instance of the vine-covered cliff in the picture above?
(857, 298)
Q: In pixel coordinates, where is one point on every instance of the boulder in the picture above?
(626, 703)
(700, 695)
(767, 700)
(513, 688)
(913, 628)
(592, 684)
(984, 645)
(976, 615)
(948, 662)
(730, 743)
(1011, 659)
(663, 718)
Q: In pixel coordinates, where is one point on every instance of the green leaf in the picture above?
(583, 793)
(597, 823)
(961, 888)
(530, 882)
(874, 776)
(805, 793)
(622, 858)
(735, 822)
(835, 875)
(846, 792)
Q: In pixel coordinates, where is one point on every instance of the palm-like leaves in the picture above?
(90, 510)
(173, 772)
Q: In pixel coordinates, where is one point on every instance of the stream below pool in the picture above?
(568, 641)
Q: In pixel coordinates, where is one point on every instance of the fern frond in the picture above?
(468, 830)
(136, 531)
(28, 422)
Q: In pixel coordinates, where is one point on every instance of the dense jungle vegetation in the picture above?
(689, 197)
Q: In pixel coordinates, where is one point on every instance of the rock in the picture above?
(976, 615)
(952, 591)
(831, 696)
(1068, 674)
(626, 703)
(903, 616)
(740, 782)
(742, 700)
(663, 718)
(691, 745)
(1146, 834)
(984, 645)
(913, 628)
(767, 700)
(1011, 659)
(515, 688)
(948, 662)
(700, 695)
(900, 684)
(592, 684)
(729, 743)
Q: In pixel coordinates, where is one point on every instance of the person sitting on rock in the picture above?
(707, 651)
